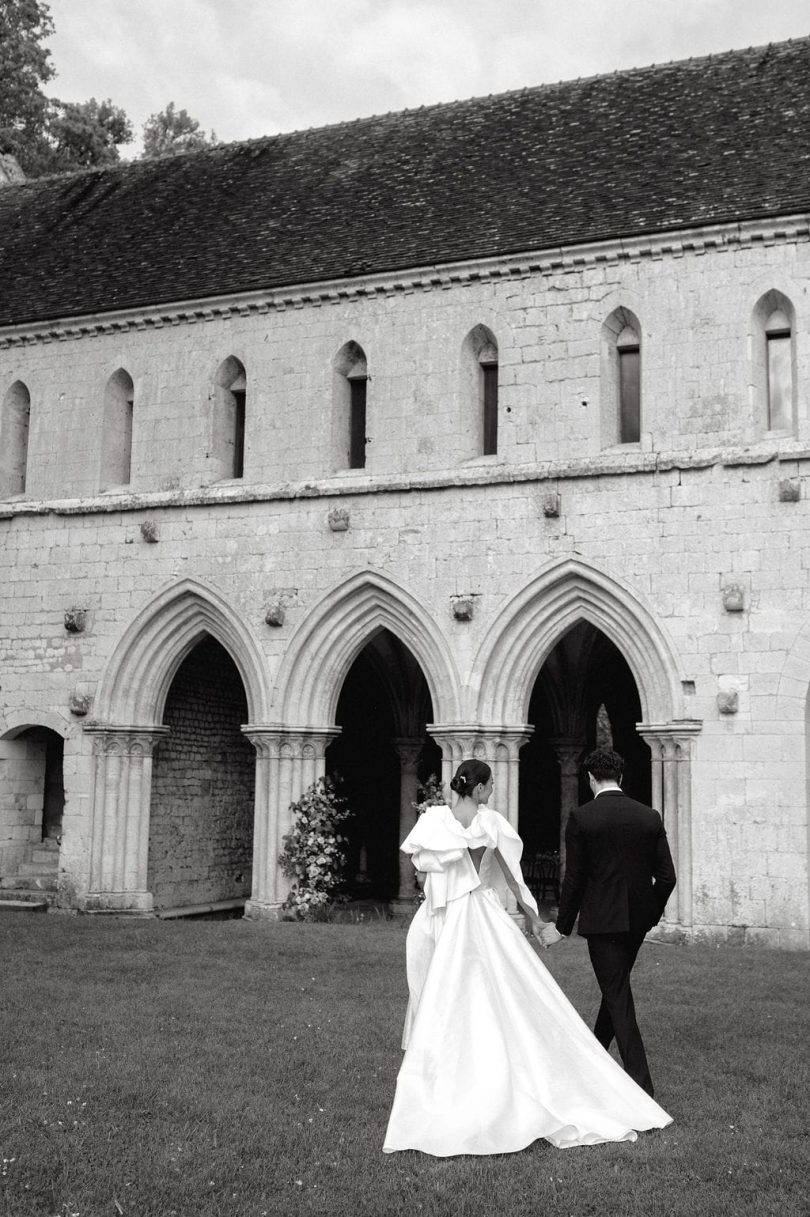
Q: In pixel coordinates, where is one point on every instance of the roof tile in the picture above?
(710, 140)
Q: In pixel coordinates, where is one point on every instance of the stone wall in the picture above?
(201, 826)
(701, 358)
(655, 532)
(22, 796)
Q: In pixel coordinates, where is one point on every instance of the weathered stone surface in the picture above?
(463, 608)
(275, 615)
(338, 519)
(651, 535)
(75, 620)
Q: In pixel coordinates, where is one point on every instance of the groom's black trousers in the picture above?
(612, 959)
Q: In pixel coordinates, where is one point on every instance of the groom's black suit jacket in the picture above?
(618, 869)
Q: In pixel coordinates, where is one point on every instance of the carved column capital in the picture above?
(122, 756)
(569, 753)
(409, 752)
(483, 742)
(672, 740)
(671, 747)
(295, 743)
(109, 740)
(498, 744)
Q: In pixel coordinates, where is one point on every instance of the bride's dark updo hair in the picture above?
(468, 775)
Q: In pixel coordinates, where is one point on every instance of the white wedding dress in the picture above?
(496, 1056)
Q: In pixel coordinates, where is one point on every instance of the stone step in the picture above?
(13, 901)
(36, 869)
(45, 858)
(199, 910)
(38, 882)
(24, 893)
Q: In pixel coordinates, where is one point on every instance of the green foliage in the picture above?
(83, 134)
(50, 136)
(44, 134)
(429, 794)
(172, 131)
(24, 69)
(314, 851)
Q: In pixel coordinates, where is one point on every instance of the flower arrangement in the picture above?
(314, 851)
(429, 794)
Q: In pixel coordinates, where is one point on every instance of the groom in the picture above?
(618, 877)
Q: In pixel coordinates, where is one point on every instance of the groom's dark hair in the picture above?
(605, 765)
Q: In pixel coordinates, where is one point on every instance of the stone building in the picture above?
(481, 428)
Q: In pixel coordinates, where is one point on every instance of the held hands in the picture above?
(546, 933)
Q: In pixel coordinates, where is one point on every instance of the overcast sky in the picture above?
(248, 68)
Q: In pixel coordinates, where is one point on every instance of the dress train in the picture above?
(496, 1056)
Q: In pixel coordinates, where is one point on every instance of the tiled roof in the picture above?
(708, 140)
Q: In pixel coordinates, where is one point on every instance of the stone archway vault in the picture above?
(128, 727)
(521, 638)
(31, 773)
(325, 646)
(291, 752)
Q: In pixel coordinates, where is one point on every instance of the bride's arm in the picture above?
(535, 920)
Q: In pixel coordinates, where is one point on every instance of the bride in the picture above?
(496, 1056)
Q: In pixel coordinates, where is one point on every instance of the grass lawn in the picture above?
(198, 1069)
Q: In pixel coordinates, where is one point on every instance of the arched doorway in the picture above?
(584, 697)
(201, 817)
(32, 803)
(381, 755)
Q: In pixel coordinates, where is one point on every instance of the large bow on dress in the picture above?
(439, 846)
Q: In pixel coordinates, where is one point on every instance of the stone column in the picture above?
(288, 761)
(122, 790)
(409, 752)
(500, 747)
(569, 754)
(671, 747)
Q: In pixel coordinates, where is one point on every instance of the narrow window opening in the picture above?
(14, 432)
(116, 436)
(479, 388)
(229, 422)
(239, 397)
(629, 353)
(778, 354)
(489, 374)
(604, 728)
(357, 422)
(127, 463)
(350, 402)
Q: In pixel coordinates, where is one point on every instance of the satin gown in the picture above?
(495, 1054)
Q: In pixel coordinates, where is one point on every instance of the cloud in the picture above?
(263, 66)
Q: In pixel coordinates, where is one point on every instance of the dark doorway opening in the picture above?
(32, 804)
(381, 755)
(585, 696)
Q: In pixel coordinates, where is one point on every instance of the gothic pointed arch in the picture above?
(154, 645)
(339, 626)
(116, 430)
(526, 629)
(16, 721)
(774, 373)
(15, 418)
